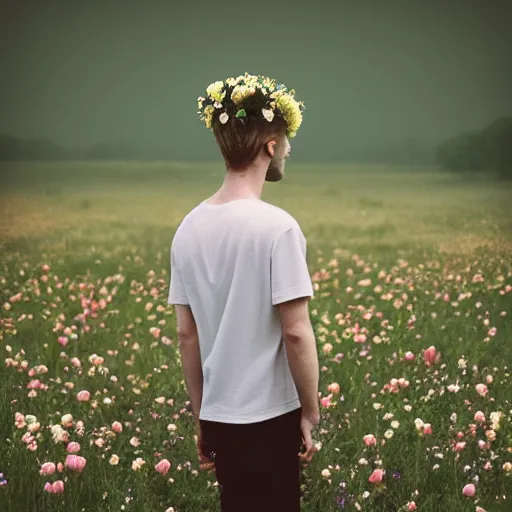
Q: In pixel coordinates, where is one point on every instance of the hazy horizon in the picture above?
(371, 75)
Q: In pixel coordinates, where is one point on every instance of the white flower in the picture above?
(419, 423)
(268, 114)
(326, 473)
(223, 118)
(217, 105)
(388, 434)
(395, 424)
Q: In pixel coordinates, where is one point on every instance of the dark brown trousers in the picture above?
(257, 464)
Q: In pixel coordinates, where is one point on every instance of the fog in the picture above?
(373, 75)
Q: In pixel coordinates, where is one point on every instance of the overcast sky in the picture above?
(370, 72)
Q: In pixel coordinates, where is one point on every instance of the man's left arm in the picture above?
(190, 356)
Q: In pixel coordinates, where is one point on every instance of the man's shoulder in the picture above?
(278, 217)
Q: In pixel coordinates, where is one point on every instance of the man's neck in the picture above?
(240, 185)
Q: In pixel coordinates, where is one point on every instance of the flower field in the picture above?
(413, 339)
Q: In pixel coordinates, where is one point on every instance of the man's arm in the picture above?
(190, 356)
(300, 344)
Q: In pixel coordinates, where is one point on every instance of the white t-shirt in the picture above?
(232, 263)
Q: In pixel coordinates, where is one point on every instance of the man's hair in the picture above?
(240, 140)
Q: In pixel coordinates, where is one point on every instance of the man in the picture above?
(240, 284)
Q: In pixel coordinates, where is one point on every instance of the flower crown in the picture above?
(236, 98)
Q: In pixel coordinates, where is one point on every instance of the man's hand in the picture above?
(307, 423)
(205, 463)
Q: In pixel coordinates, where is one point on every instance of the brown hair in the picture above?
(240, 140)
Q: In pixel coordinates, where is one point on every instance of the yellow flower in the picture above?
(214, 91)
(241, 92)
(208, 116)
(290, 109)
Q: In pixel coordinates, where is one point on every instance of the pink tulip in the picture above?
(479, 417)
(63, 340)
(163, 466)
(369, 440)
(427, 429)
(481, 389)
(411, 506)
(60, 467)
(73, 447)
(469, 490)
(48, 487)
(117, 427)
(58, 487)
(431, 356)
(376, 476)
(48, 468)
(75, 463)
(83, 396)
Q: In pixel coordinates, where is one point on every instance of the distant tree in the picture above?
(463, 152)
(497, 144)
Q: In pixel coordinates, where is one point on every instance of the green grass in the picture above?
(105, 230)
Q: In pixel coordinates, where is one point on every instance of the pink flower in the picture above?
(479, 417)
(163, 466)
(411, 506)
(376, 476)
(369, 440)
(55, 488)
(58, 487)
(481, 389)
(63, 340)
(459, 446)
(75, 463)
(48, 468)
(34, 384)
(326, 401)
(469, 490)
(76, 362)
(73, 447)
(117, 427)
(431, 356)
(334, 388)
(360, 338)
(427, 429)
(480, 509)
(409, 356)
(83, 396)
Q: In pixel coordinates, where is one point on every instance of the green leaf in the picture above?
(241, 113)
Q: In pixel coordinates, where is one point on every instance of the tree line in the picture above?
(487, 150)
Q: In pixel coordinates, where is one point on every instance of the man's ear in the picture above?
(270, 147)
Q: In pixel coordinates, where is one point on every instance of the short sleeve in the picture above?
(290, 277)
(177, 293)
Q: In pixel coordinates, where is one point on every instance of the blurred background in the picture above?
(399, 82)
(406, 138)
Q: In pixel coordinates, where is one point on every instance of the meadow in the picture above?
(412, 272)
